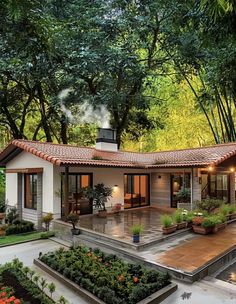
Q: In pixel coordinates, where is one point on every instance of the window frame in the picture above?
(34, 191)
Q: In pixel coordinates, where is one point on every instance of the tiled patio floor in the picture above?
(199, 251)
(118, 226)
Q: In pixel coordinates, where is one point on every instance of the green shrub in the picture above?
(209, 204)
(46, 220)
(166, 221)
(178, 217)
(46, 235)
(19, 226)
(232, 208)
(2, 206)
(107, 276)
(225, 209)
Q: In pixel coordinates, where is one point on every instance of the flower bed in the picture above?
(109, 278)
(7, 296)
(24, 285)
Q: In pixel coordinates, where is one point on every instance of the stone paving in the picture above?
(118, 226)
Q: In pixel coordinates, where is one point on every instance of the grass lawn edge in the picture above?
(22, 241)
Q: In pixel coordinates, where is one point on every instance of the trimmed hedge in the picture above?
(19, 226)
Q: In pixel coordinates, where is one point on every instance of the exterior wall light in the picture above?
(210, 168)
(115, 186)
(232, 169)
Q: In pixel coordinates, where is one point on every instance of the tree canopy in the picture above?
(154, 70)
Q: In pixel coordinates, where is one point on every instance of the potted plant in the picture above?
(46, 219)
(203, 225)
(168, 225)
(220, 222)
(225, 210)
(184, 195)
(73, 218)
(99, 195)
(136, 230)
(2, 210)
(178, 217)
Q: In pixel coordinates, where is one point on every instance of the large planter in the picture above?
(181, 225)
(2, 216)
(219, 227)
(202, 230)
(136, 238)
(169, 230)
(102, 213)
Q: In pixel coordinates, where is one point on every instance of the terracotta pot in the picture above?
(2, 216)
(102, 213)
(219, 227)
(181, 225)
(202, 230)
(169, 230)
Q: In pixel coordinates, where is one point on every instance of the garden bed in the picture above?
(106, 278)
(26, 285)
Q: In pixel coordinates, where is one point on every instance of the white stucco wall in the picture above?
(28, 160)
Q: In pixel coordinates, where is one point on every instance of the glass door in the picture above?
(136, 190)
(76, 200)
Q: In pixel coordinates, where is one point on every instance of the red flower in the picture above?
(135, 279)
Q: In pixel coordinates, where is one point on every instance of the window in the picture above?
(31, 191)
(136, 188)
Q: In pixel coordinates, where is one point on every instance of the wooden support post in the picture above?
(66, 191)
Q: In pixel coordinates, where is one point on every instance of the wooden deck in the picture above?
(200, 251)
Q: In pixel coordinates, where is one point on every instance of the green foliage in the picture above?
(184, 195)
(178, 216)
(47, 235)
(137, 229)
(73, 218)
(100, 194)
(166, 221)
(208, 204)
(47, 219)
(19, 226)
(232, 209)
(108, 277)
(12, 215)
(29, 280)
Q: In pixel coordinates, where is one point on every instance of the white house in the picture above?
(45, 177)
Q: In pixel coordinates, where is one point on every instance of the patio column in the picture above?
(191, 189)
(66, 191)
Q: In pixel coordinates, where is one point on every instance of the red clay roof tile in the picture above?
(60, 154)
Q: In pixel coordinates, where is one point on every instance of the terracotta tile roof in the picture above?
(60, 155)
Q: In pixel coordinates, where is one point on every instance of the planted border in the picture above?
(106, 276)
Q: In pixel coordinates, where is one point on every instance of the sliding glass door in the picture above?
(136, 190)
(76, 200)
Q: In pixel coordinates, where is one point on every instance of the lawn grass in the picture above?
(17, 238)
